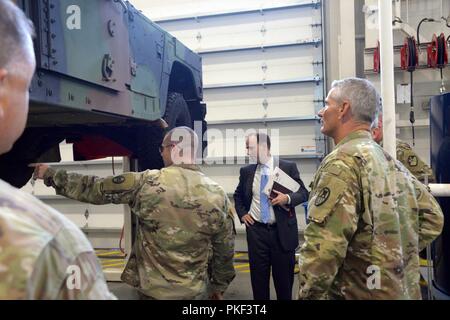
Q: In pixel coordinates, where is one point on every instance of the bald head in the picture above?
(179, 146)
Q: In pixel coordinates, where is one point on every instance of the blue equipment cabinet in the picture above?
(440, 162)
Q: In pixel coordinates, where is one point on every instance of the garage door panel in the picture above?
(106, 221)
(215, 33)
(293, 25)
(253, 66)
(160, 10)
(104, 216)
(253, 29)
(294, 100)
(287, 139)
(244, 30)
(252, 109)
(267, 54)
(226, 176)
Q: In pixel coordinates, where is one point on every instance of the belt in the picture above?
(266, 225)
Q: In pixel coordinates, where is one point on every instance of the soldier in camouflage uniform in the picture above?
(368, 216)
(185, 221)
(42, 254)
(406, 155)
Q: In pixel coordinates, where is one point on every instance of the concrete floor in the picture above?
(239, 289)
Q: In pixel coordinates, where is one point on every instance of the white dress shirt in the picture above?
(255, 208)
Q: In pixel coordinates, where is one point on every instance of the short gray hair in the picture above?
(16, 33)
(184, 137)
(362, 95)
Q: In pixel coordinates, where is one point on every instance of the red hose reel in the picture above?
(437, 52)
(376, 59)
(409, 54)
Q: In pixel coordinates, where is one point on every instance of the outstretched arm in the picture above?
(90, 189)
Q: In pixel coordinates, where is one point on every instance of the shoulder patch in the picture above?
(330, 190)
(121, 183)
(118, 180)
(322, 197)
(413, 161)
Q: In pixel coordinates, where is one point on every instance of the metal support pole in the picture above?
(387, 76)
(440, 189)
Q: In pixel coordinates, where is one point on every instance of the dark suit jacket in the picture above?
(286, 221)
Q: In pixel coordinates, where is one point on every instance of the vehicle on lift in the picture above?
(105, 76)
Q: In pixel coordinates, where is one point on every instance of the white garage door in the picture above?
(262, 69)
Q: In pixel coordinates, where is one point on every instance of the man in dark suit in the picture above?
(271, 224)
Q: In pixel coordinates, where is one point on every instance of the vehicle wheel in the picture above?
(150, 138)
(177, 111)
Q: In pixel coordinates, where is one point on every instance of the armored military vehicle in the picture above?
(105, 75)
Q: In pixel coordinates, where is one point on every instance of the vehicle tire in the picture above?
(177, 111)
(150, 138)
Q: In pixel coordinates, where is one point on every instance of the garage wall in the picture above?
(262, 69)
(426, 81)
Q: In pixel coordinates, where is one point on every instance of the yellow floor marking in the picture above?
(244, 265)
(237, 255)
(116, 253)
(106, 250)
(114, 268)
(103, 261)
(114, 265)
(424, 263)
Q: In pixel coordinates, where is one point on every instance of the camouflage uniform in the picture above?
(365, 210)
(38, 249)
(184, 220)
(407, 156)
